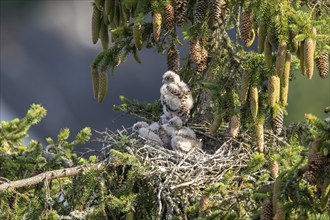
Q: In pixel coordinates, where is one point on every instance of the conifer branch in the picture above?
(50, 175)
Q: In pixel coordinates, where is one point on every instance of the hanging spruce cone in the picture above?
(195, 50)
(96, 24)
(173, 62)
(95, 82)
(168, 18)
(302, 58)
(273, 90)
(309, 57)
(261, 36)
(259, 128)
(201, 10)
(137, 36)
(181, 9)
(216, 123)
(245, 84)
(310, 176)
(246, 29)
(157, 23)
(285, 80)
(277, 122)
(272, 39)
(268, 53)
(274, 169)
(103, 86)
(280, 59)
(217, 11)
(316, 160)
(267, 210)
(104, 36)
(254, 101)
(201, 66)
(99, 4)
(234, 125)
(322, 64)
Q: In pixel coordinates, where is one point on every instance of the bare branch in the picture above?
(50, 175)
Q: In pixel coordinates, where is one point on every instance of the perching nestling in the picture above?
(175, 96)
(146, 132)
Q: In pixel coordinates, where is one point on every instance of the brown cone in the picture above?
(317, 160)
(180, 11)
(246, 28)
(277, 122)
(195, 50)
(157, 23)
(173, 62)
(201, 66)
(322, 64)
(201, 10)
(267, 210)
(169, 17)
(217, 11)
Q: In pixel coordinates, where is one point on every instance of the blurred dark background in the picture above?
(46, 51)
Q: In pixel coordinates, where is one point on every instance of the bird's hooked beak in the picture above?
(163, 81)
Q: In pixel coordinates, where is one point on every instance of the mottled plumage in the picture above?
(176, 97)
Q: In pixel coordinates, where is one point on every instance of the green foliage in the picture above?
(13, 132)
(126, 188)
(19, 161)
(256, 162)
(150, 111)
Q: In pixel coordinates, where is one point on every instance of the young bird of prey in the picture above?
(146, 132)
(175, 96)
(183, 138)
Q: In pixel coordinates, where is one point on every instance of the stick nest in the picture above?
(181, 179)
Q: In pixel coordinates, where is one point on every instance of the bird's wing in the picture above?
(150, 135)
(174, 89)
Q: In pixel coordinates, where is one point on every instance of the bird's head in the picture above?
(171, 77)
(175, 122)
(186, 132)
(140, 124)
